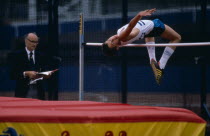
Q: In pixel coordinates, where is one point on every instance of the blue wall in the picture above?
(140, 79)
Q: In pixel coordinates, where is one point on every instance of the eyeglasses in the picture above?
(32, 41)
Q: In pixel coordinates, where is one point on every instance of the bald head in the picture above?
(32, 35)
(31, 41)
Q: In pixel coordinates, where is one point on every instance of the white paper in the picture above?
(47, 72)
(34, 81)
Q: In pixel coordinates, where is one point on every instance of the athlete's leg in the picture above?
(171, 35)
(174, 37)
(151, 49)
(153, 62)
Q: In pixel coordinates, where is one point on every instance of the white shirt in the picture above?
(33, 56)
(144, 26)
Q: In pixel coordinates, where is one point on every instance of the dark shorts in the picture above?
(158, 29)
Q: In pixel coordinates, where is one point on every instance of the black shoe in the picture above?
(158, 73)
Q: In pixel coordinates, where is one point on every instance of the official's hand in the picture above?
(31, 74)
(147, 12)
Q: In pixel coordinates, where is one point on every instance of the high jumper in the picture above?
(144, 29)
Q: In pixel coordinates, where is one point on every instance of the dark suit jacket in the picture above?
(19, 63)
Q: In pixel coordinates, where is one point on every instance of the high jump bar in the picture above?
(159, 45)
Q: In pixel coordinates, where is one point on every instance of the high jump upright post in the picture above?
(81, 58)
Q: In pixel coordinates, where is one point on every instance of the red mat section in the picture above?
(32, 110)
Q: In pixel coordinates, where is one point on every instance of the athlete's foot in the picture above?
(158, 73)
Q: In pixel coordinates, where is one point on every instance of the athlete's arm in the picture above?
(125, 33)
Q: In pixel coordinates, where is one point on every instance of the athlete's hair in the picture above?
(108, 51)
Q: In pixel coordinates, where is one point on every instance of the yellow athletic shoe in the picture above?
(158, 73)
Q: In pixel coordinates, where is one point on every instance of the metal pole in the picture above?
(203, 87)
(203, 19)
(124, 54)
(54, 80)
(81, 58)
(53, 41)
(204, 109)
